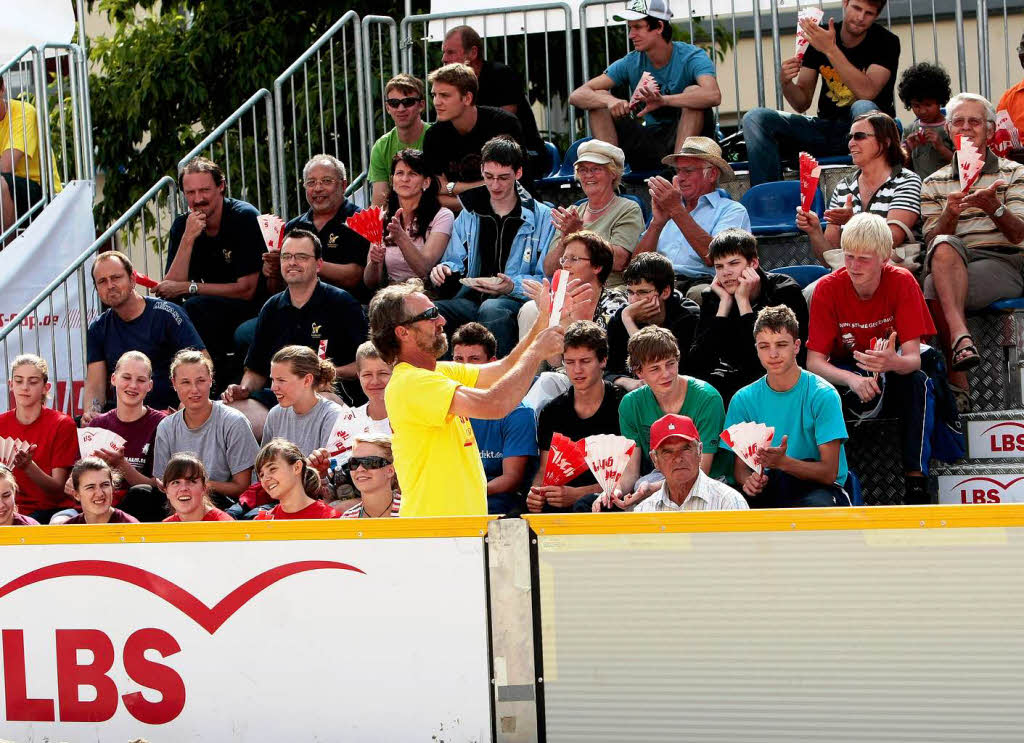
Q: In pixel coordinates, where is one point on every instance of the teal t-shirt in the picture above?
(384, 150)
(639, 409)
(810, 414)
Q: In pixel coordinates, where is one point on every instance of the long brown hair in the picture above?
(290, 454)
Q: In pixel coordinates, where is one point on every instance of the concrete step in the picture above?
(994, 435)
(979, 483)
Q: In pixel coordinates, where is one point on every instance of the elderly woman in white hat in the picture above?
(599, 167)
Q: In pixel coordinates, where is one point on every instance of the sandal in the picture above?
(962, 397)
(966, 356)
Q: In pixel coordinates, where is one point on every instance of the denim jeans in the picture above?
(498, 314)
(771, 135)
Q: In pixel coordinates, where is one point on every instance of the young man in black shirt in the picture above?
(589, 407)
(856, 60)
(720, 353)
(452, 145)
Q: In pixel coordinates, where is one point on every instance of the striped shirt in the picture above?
(356, 512)
(975, 228)
(705, 495)
(901, 191)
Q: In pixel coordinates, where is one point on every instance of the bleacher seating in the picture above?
(804, 275)
(565, 176)
(772, 207)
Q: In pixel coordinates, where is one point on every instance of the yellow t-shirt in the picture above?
(436, 457)
(19, 131)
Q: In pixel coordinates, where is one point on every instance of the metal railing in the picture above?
(68, 111)
(380, 49)
(512, 35)
(32, 329)
(238, 145)
(320, 106)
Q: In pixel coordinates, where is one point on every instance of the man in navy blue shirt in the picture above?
(157, 328)
(309, 312)
(508, 447)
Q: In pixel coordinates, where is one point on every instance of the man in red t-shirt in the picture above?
(867, 320)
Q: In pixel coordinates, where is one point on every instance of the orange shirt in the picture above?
(1013, 103)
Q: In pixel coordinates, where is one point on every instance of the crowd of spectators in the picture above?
(227, 383)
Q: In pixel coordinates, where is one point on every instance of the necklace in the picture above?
(604, 208)
(363, 514)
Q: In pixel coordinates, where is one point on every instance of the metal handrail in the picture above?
(99, 242)
(388, 21)
(42, 127)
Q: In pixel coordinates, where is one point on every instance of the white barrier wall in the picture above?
(296, 632)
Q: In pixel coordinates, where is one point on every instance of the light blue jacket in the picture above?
(525, 259)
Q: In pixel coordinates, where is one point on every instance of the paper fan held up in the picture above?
(369, 224)
(745, 438)
(607, 456)
(810, 174)
(565, 461)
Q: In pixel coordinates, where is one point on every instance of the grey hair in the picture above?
(961, 98)
(327, 161)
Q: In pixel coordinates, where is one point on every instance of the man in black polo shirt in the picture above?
(213, 259)
(309, 312)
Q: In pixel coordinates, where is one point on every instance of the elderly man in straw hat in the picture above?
(689, 211)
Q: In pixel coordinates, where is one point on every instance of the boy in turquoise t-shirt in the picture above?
(806, 463)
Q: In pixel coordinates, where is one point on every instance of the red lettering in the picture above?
(71, 675)
(979, 496)
(19, 707)
(1020, 442)
(154, 676)
(1008, 441)
(993, 496)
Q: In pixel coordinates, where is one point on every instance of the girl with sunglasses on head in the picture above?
(187, 491)
(9, 515)
(881, 185)
(93, 483)
(292, 482)
(418, 229)
(373, 474)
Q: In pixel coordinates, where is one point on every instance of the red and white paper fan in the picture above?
(272, 227)
(744, 440)
(144, 280)
(91, 440)
(369, 224)
(347, 426)
(1006, 136)
(969, 160)
(878, 344)
(810, 174)
(607, 456)
(802, 42)
(559, 282)
(646, 86)
(565, 460)
(9, 449)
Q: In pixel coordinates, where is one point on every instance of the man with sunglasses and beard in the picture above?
(430, 402)
(403, 98)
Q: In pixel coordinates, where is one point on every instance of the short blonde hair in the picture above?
(135, 356)
(867, 233)
(380, 440)
(30, 359)
(651, 344)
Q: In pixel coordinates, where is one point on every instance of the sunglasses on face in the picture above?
(430, 313)
(408, 102)
(367, 463)
(859, 136)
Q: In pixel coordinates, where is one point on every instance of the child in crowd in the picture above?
(186, 484)
(9, 515)
(292, 482)
(136, 423)
(220, 435)
(93, 484)
(42, 469)
(374, 476)
(374, 374)
(924, 88)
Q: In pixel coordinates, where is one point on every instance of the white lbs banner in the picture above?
(61, 233)
(977, 489)
(995, 439)
(247, 640)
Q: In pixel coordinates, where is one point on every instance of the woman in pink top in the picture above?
(420, 227)
(188, 492)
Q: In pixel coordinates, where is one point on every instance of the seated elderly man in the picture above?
(689, 211)
(676, 452)
(974, 236)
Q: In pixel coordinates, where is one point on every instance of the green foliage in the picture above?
(170, 72)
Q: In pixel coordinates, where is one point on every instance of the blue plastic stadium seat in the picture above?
(772, 207)
(639, 176)
(554, 159)
(833, 160)
(852, 488)
(645, 209)
(566, 172)
(1005, 305)
(803, 275)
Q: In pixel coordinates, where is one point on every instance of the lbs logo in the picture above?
(73, 672)
(1005, 438)
(986, 490)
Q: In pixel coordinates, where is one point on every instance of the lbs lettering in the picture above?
(72, 674)
(1006, 442)
(979, 495)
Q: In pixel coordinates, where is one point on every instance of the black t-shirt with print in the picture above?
(559, 416)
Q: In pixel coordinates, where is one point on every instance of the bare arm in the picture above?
(244, 288)
(512, 470)
(234, 487)
(9, 160)
(511, 108)
(95, 390)
(695, 235)
(595, 93)
(620, 258)
(864, 85)
(379, 196)
(346, 371)
(904, 216)
(705, 94)
(799, 94)
(421, 261)
(52, 484)
(345, 275)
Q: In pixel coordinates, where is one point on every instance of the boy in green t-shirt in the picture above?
(403, 99)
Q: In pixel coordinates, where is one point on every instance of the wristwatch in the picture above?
(193, 287)
(999, 212)
(450, 188)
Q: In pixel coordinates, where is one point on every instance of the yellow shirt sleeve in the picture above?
(427, 396)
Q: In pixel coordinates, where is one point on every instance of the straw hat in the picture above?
(705, 149)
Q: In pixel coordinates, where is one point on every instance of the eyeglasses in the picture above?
(570, 260)
(314, 182)
(639, 292)
(408, 101)
(589, 169)
(859, 136)
(298, 257)
(368, 463)
(973, 123)
(430, 313)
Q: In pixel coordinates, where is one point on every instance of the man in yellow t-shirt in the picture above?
(20, 179)
(429, 403)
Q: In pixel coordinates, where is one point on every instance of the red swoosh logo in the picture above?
(209, 618)
(1003, 423)
(1004, 486)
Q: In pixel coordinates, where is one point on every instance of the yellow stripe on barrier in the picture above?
(246, 531)
(791, 519)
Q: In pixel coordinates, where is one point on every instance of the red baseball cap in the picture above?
(672, 425)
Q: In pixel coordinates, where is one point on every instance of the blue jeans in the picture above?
(771, 135)
(498, 314)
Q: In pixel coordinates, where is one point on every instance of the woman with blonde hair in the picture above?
(9, 515)
(373, 472)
